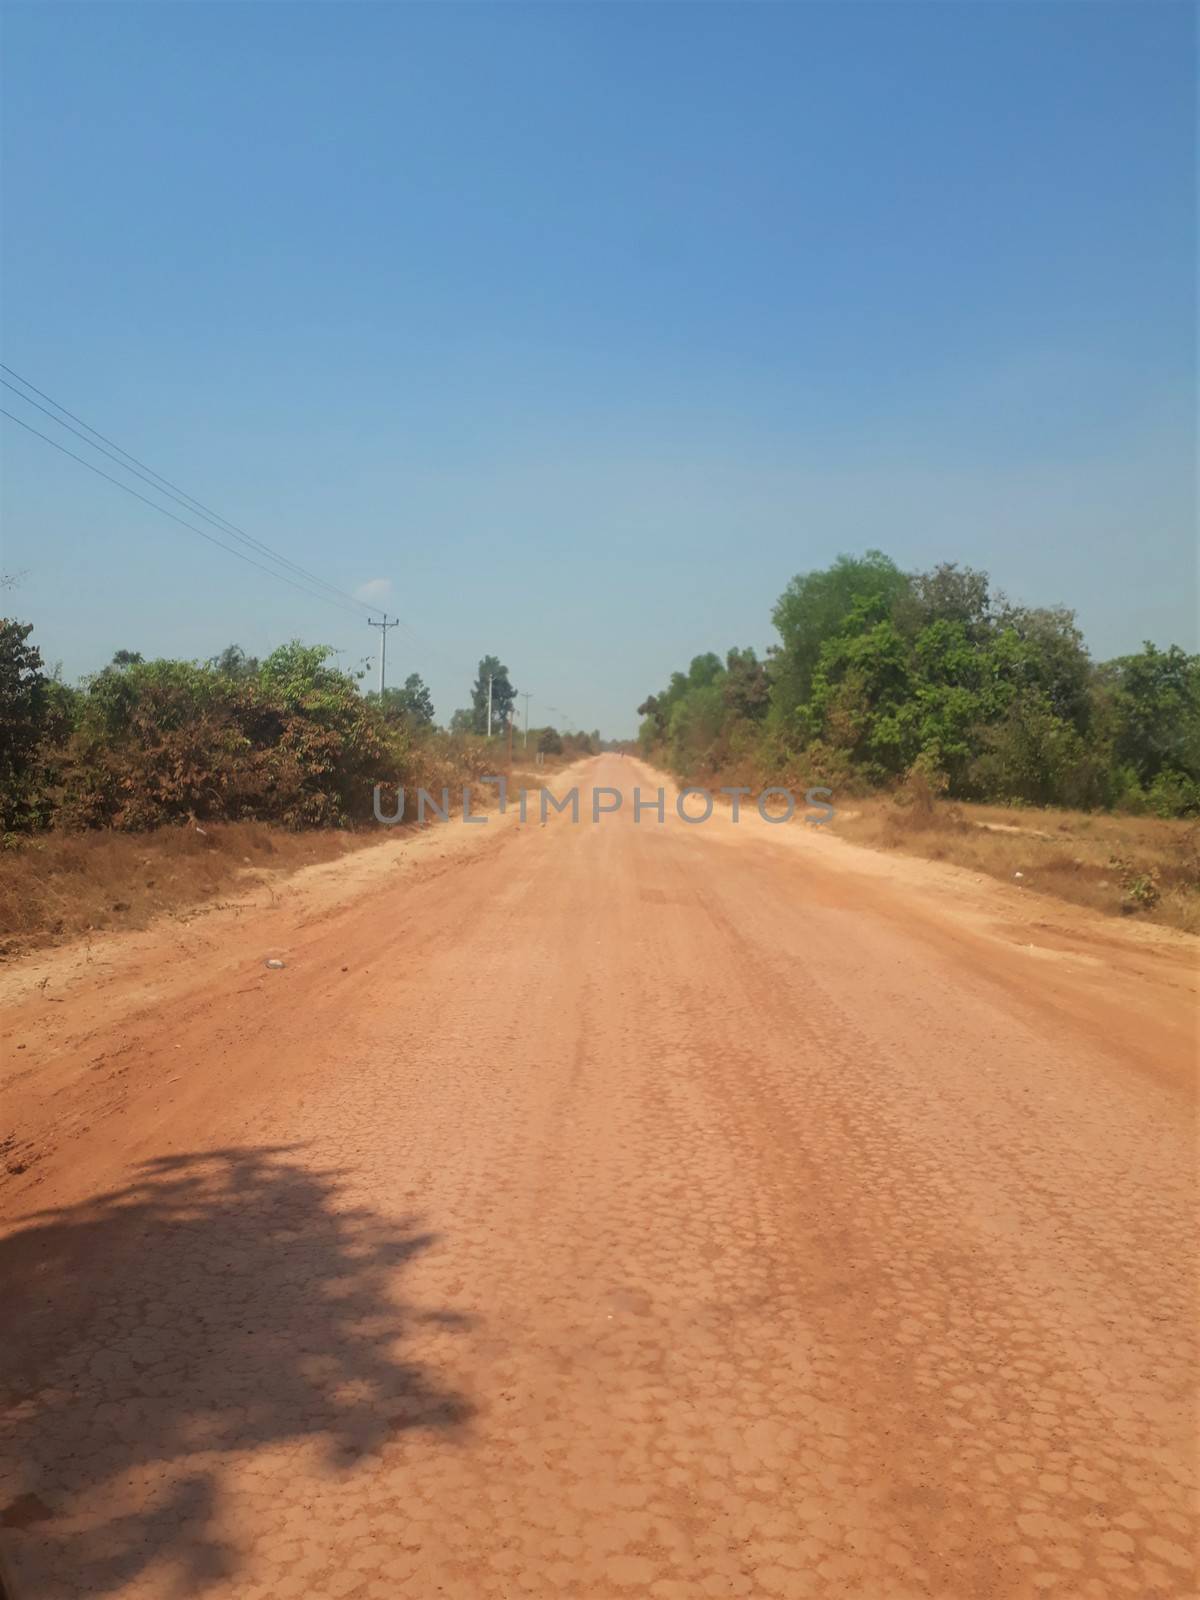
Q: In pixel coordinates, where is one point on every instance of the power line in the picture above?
(179, 499)
(229, 550)
(164, 485)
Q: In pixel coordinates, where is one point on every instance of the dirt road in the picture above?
(605, 1210)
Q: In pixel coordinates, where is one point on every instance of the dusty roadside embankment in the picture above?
(58, 885)
(1144, 868)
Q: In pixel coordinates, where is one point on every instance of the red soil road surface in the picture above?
(605, 1211)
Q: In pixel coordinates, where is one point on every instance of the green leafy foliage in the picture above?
(502, 694)
(412, 705)
(1139, 887)
(1154, 704)
(881, 673)
(25, 709)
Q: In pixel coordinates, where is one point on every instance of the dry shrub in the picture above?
(58, 885)
(918, 808)
(1182, 871)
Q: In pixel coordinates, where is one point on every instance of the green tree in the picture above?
(815, 608)
(503, 695)
(947, 593)
(1157, 694)
(25, 708)
(1153, 699)
(653, 728)
(413, 704)
(697, 719)
(1041, 647)
(861, 689)
(418, 700)
(879, 671)
(1034, 754)
(747, 687)
(233, 662)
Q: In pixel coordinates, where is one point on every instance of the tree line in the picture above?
(414, 703)
(290, 739)
(880, 673)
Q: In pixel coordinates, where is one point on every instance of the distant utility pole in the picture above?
(383, 633)
(489, 705)
(525, 744)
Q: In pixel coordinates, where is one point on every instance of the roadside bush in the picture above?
(289, 740)
(1173, 794)
(35, 711)
(1139, 886)
(878, 669)
(160, 741)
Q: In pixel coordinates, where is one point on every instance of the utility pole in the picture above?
(525, 697)
(489, 705)
(383, 633)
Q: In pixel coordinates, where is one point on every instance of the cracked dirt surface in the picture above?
(605, 1210)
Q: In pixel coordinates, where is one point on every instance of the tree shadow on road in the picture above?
(223, 1302)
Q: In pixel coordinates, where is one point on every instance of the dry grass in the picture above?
(60, 886)
(1125, 866)
(57, 886)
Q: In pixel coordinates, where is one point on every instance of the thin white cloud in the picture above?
(374, 589)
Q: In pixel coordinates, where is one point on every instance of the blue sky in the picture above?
(584, 327)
